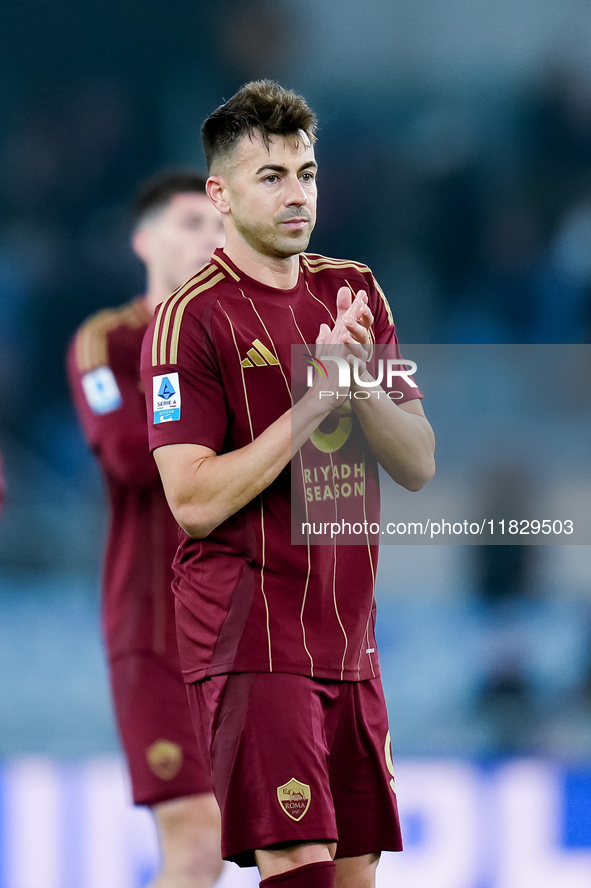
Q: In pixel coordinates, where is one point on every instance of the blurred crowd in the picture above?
(476, 220)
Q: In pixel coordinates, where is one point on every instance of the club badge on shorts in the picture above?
(166, 398)
(165, 759)
(294, 797)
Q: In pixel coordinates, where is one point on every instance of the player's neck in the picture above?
(156, 292)
(273, 272)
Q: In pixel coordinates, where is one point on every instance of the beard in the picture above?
(270, 239)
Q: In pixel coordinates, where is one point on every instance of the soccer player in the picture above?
(176, 230)
(277, 640)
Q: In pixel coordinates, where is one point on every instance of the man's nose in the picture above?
(295, 192)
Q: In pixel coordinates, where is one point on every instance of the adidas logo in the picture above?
(259, 356)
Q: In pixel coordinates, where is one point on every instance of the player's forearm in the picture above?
(402, 442)
(218, 486)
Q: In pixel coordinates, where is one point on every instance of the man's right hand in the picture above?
(348, 339)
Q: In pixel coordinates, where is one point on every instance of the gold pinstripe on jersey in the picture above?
(167, 308)
(241, 371)
(320, 302)
(262, 571)
(263, 349)
(343, 630)
(373, 579)
(308, 573)
(319, 263)
(183, 291)
(171, 313)
(226, 267)
(385, 301)
(316, 263)
(170, 305)
(174, 339)
(336, 608)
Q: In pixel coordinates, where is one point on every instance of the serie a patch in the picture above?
(166, 398)
(101, 390)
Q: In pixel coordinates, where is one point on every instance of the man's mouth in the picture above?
(295, 223)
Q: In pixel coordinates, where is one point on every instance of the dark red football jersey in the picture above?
(216, 367)
(104, 373)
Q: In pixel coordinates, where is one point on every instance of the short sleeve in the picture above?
(399, 384)
(185, 400)
(111, 411)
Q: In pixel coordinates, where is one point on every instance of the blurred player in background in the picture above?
(277, 640)
(175, 232)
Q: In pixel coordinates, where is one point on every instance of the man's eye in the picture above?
(272, 179)
(308, 177)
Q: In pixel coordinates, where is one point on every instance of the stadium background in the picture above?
(455, 152)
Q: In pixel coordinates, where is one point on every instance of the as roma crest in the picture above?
(294, 798)
(165, 759)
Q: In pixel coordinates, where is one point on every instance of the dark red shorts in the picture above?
(165, 759)
(296, 760)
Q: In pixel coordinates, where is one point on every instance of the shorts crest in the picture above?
(165, 759)
(294, 797)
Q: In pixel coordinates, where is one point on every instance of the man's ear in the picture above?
(216, 191)
(140, 244)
